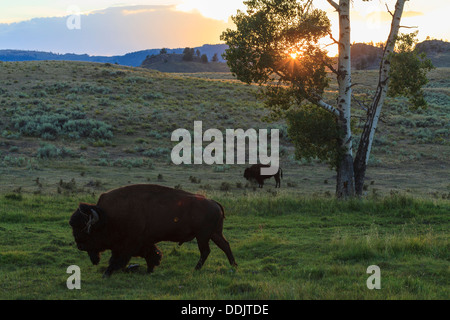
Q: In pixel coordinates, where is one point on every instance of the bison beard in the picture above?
(254, 173)
(131, 220)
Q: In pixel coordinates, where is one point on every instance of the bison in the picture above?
(131, 220)
(254, 173)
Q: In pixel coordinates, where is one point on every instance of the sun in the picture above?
(294, 55)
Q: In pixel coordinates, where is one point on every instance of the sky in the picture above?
(115, 27)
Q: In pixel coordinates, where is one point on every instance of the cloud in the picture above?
(409, 14)
(114, 31)
(139, 11)
(380, 16)
(383, 16)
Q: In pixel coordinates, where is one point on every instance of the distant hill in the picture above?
(437, 50)
(366, 56)
(173, 62)
(133, 59)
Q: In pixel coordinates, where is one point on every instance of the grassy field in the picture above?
(70, 131)
(103, 125)
(286, 248)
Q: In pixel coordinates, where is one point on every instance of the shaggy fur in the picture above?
(133, 219)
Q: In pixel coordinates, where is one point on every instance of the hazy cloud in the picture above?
(113, 31)
(409, 14)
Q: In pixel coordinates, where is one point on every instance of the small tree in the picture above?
(163, 51)
(215, 58)
(198, 53)
(188, 54)
(204, 58)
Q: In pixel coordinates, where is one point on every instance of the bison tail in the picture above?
(221, 208)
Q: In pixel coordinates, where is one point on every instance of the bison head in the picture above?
(86, 223)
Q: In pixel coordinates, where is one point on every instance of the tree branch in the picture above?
(392, 15)
(327, 107)
(332, 38)
(361, 105)
(334, 4)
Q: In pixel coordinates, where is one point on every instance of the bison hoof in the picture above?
(198, 266)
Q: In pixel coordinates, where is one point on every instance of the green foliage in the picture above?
(50, 151)
(152, 96)
(87, 128)
(60, 123)
(10, 161)
(408, 72)
(127, 163)
(276, 44)
(157, 152)
(260, 48)
(314, 133)
(188, 54)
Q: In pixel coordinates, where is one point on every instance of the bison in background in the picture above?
(254, 174)
(131, 220)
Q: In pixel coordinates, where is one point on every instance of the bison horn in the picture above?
(95, 215)
(92, 220)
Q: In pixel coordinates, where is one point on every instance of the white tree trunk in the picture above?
(345, 73)
(385, 67)
(345, 177)
(374, 111)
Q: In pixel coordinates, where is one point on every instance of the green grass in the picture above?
(97, 117)
(296, 242)
(286, 248)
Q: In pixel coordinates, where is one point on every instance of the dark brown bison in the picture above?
(131, 220)
(254, 173)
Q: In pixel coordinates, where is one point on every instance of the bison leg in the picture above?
(203, 246)
(223, 244)
(116, 262)
(153, 258)
(94, 256)
(277, 181)
(260, 182)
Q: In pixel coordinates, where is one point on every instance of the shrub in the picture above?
(152, 96)
(158, 152)
(134, 80)
(48, 151)
(40, 94)
(225, 186)
(132, 163)
(72, 124)
(193, 179)
(221, 168)
(70, 186)
(87, 128)
(14, 196)
(9, 161)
